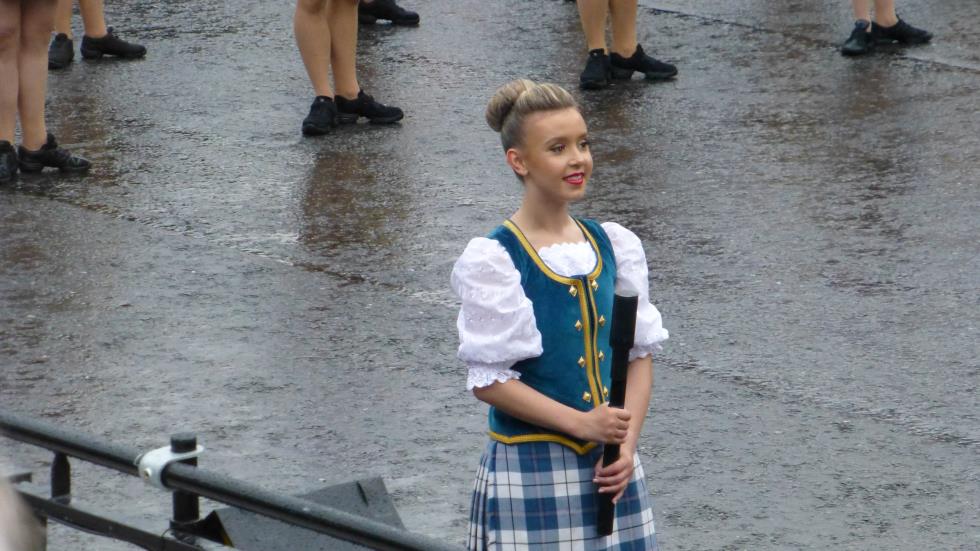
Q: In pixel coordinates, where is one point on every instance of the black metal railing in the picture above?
(189, 482)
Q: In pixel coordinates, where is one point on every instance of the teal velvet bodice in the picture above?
(572, 315)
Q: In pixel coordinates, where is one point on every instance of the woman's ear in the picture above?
(516, 162)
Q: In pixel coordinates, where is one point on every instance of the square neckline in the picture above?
(543, 266)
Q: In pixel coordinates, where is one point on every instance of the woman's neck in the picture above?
(546, 224)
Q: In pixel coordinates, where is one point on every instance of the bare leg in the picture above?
(342, 16)
(313, 39)
(93, 17)
(36, 22)
(862, 9)
(885, 13)
(9, 46)
(593, 14)
(62, 18)
(623, 13)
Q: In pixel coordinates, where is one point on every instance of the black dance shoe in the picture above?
(652, 69)
(596, 74)
(61, 51)
(8, 162)
(901, 32)
(322, 117)
(50, 155)
(110, 44)
(365, 106)
(860, 42)
(387, 10)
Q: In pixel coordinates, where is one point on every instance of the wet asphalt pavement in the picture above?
(811, 225)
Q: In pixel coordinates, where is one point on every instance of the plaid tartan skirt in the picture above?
(540, 496)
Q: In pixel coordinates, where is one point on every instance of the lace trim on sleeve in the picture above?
(484, 375)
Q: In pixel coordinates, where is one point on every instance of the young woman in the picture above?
(326, 33)
(536, 299)
(886, 28)
(25, 26)
(627, 55)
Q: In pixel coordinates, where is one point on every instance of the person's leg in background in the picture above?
(36, 21)
(98, 40)
(860, 42)
(93, 17)
(889, 28)
(61, 52)
(627, 55)
(312, 33)
(9, 46)
(622, 14)
(62, 18)
(352, 102)
(38, 147)
(862, 10)
(885, 28)
(593, 15)
(313, 40)
(884, 13)
(342, 19)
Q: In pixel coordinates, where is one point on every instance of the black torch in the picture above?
(621, 341)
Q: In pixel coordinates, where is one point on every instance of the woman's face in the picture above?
(554, 159)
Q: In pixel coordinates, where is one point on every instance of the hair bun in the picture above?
(515, 101)
(503, 100)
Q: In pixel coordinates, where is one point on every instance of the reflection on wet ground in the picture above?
(810, 224)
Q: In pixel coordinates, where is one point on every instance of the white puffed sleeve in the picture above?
(631, 263)
(496, 321)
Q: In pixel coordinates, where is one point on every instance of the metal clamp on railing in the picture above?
(152, 463)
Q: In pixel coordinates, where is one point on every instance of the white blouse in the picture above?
(496, 322)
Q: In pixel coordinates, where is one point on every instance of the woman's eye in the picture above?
(584, 144)
(558, 148)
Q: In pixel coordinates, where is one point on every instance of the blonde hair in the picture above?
(513, 102)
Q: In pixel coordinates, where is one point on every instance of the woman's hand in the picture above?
(616, 477)
(605, 424)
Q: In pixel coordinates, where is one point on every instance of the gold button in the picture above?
(573, 291)
(578, 325)
(581, 361)
(602, 321)
(595, 285)
(601, 356)
(586, 397)
(605, 392)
